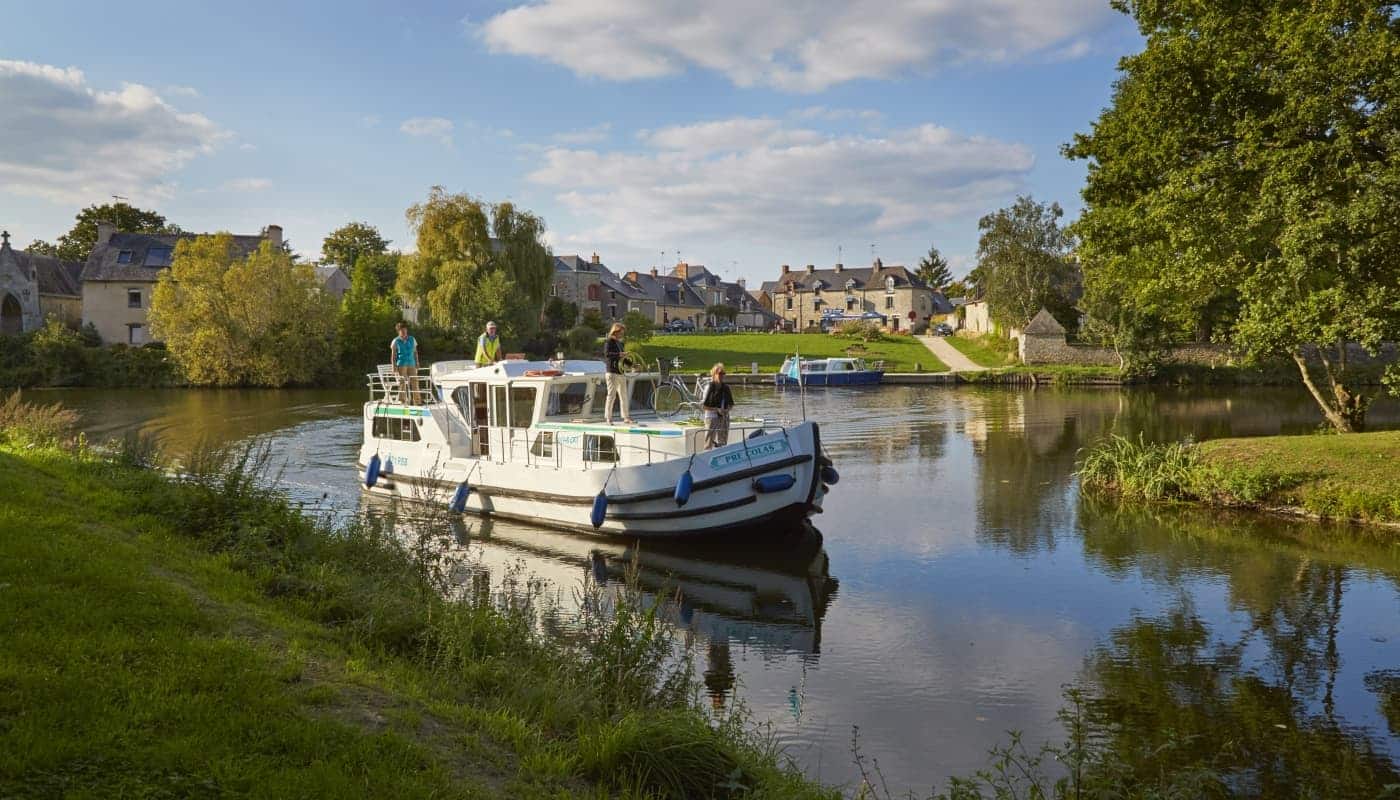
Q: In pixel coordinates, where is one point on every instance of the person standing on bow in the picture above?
(613, 349)
(716, 404)
(488, 347)
(403, 353)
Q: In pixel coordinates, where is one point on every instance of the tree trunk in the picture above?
(1330, 409)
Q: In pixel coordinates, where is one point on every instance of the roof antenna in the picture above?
(118, 205)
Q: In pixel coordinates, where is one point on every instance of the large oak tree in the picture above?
(1244, 182)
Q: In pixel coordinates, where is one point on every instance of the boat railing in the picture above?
(875, 366)
(519, 447)
(388, 386)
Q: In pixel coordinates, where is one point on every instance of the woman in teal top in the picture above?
(404, 350)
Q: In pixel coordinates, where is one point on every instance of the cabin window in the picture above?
(522, 406)
(462, 396)
(567, 399)
(816, 366)
(398, 428)
(599, 448)
(498, 406)
(544, 444)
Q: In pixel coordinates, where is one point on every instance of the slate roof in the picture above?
(1043, 324)
(106, 262)
(941, 303)
(54, 276)
(869, 278)
(668, 290)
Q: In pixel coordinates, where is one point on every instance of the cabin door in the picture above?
(477, 417)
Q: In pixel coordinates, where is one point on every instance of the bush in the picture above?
(582, 340)
(37, 425)
(58, 352)
(865, 330)
(638, 325)
(593, 318)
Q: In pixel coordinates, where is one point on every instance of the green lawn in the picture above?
(738, 350)
(1348, 476)
(985, 351)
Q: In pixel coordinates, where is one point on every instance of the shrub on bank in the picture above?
(864, 330)
(57, 355)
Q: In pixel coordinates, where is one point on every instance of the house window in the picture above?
(553, 290)
(612, 310)
(135, 334)
(593, 292)
(612, 295)
(599, 448)
(158, 257)
(816, 304)
(889, 301)
(124, 257)
(850, 304)
(133, 298)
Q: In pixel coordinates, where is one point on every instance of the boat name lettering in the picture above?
(773, 448)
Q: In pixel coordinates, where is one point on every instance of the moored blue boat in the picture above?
(833, 372)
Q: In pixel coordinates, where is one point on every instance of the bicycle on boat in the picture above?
(670, 394)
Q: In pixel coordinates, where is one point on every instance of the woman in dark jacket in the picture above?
(716, 404)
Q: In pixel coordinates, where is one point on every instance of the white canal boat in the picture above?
(526, 440)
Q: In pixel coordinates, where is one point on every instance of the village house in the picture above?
(589, 284)
(35, 287)
(333, 280)
(801, 297)
(673, 296)
(749, 313)
(122, 271)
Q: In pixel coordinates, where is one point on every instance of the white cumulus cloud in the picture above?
(431, 127)
(793, 45)
(762, 180)
(248, 185)
(67, 142)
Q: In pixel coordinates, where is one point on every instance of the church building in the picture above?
(34, 287)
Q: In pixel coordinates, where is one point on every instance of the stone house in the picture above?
(673, 296)
(750, 314)
(906, 302)
(333, 280)
(34, 287)
(122, 271)
(589, 284)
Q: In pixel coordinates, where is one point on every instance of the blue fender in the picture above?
(459, 497)
(773, 483)
(830, 476)
(600, 509)
(372, 471)
(683, 487)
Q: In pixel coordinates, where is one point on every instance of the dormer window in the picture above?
(889, 284)
(850, 283)
(124, 257)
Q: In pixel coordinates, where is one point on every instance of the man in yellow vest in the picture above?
(488, 347)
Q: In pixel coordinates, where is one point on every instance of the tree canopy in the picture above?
(1023, 263)
(345, 245)
(477, 262)
(256, 321)
(1244, 183)
(933, 270)
(77, 243)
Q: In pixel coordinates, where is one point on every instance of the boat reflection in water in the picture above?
(771, 592)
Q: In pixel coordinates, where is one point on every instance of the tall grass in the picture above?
(1141, 469)
(37, 425)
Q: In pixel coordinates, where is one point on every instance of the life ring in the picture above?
(543, 373)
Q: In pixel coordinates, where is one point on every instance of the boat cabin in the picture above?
(531, 412)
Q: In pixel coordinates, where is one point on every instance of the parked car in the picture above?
(725, 327)
(680, 326)
(942, 329)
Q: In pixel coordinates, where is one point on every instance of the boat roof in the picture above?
(442, 371)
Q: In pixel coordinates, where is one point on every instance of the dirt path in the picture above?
(956, 361)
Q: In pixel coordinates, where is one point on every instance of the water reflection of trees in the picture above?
(1259, 701)
(1166, 695)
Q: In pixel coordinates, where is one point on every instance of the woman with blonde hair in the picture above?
(615, 380)
(716, 404)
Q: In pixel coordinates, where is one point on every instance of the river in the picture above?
(963, 582)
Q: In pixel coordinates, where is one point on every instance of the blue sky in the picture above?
(742, 135)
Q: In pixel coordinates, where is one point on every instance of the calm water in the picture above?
(964, 582)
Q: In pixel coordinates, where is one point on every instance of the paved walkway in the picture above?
(956, 361)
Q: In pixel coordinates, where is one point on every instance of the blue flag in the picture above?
(795, 369)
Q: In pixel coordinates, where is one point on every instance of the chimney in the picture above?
(811, 268)
(274, 235)
(595, 260)
(653, 272)
(840, 266)
(743, 284)
(786, 269)
(879, 263)
(683, 271)
(631, 277)
(104, 232)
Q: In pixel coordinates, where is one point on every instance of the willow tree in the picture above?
(1244, 182)
(231, 320)
(475, 262)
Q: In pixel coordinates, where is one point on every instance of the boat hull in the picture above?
(861, 378)
(726, 494)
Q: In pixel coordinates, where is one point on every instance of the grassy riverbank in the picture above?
(986, 351)
(1346, 477)
(738, 350)
(201, 637)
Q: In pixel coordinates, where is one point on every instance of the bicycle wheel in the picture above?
(631, 364)
(666, 400)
